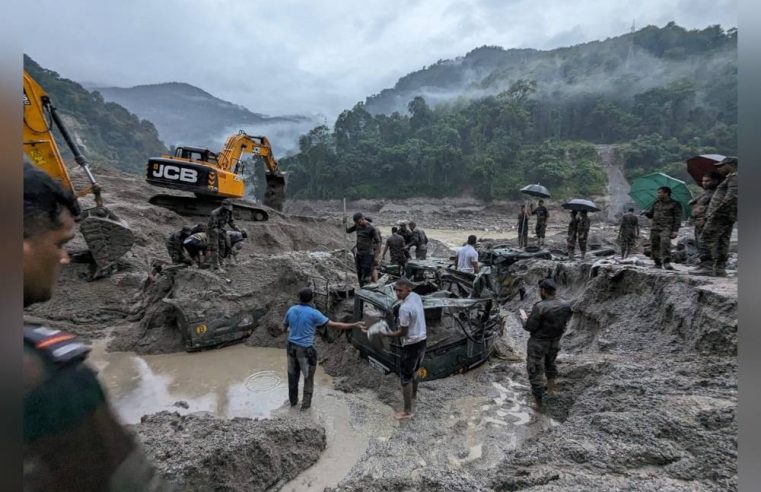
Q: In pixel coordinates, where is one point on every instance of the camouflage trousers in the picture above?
(581, 238)
(570, 242)
(660, 246)
(627, 243)
(541, 228)
(698, 232)
(421, 253)
(713, 246)
(540, 362)
(219, 246)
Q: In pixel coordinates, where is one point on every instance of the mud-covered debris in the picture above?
(203, 452)
(250, 299)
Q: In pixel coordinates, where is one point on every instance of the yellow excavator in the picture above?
(107, 236)
(212, 177)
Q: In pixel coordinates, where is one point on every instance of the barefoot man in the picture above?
(412, 332)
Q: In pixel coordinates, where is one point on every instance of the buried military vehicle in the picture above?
(461, 311)
(460, 332)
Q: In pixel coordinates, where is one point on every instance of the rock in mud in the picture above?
(203, 452)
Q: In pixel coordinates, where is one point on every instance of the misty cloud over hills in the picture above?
(617, 67)
(187, 115)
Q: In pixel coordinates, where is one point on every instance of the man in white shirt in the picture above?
(412, 331)
(467, 257)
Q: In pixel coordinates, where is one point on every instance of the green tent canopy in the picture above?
(644, 191)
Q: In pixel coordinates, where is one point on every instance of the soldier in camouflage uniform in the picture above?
(700, 204)
(583, 232)
(628, 233)
(405, 232)
(72, 438)
(217, 237)
(174, 245)
(542, 215)
(666, 215)
(573, 232)
(546, 323)
(713, 246)
(419, 240)
(395, 245)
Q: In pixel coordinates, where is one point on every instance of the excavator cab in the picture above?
(196, 154)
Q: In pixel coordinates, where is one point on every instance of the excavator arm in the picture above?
(39, 145)
(107, 236)
(242, 143)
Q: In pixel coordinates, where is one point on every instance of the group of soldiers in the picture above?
(542, 216)
(714, 213)
(367, 251)
(212, 241)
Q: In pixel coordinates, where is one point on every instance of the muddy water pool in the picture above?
(241, 381)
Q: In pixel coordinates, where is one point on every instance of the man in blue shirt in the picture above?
(301, 321)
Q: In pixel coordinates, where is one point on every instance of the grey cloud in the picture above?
(287, 57)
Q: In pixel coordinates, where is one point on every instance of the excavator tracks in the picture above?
(198, 206)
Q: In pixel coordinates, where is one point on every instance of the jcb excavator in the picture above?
(213, 177)
(107, 236)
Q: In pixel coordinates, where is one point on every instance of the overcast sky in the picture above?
(319, 56)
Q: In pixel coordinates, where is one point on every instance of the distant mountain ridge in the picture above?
(108, 134)
(188, 115)
(620, 67)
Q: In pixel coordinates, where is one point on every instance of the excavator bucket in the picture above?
(107, 236)
(274, 195)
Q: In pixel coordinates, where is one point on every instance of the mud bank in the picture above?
(203, 452)
(646, 396)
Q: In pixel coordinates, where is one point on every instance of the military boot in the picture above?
(719, 270)
(668, 266)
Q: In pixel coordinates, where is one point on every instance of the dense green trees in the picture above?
(662, 94)
(492, 146)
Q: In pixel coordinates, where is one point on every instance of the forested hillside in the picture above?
(108, 134)
(519, 116)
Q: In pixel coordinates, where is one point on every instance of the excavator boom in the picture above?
(107, 236)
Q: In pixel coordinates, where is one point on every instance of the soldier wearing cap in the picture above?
(666, 215)
(405, 232)
(546, 323)
(216, 235)
(72, 437)
(542, 216)
(367, 247)
(721, 215)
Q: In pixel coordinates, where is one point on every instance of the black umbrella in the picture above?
(536, 190)
(581, 205)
